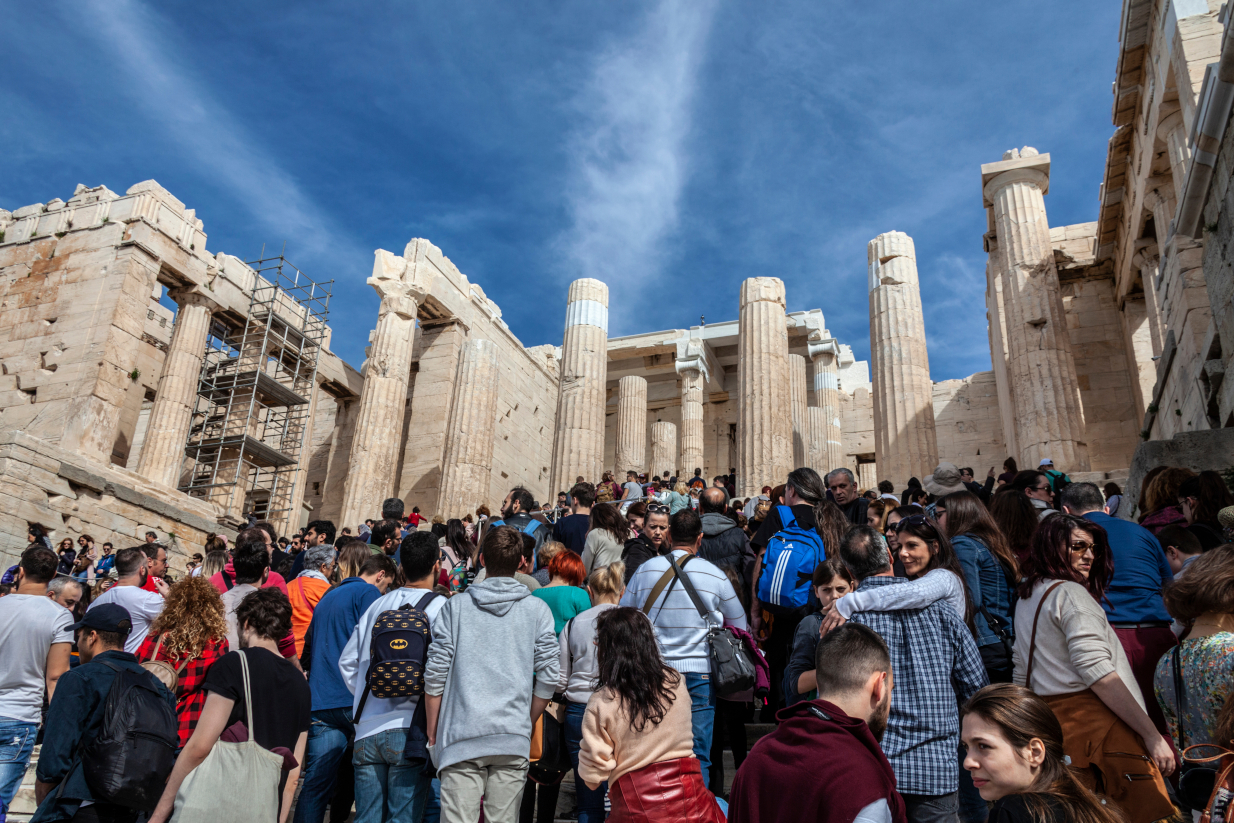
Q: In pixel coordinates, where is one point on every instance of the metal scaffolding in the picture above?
(254, 398)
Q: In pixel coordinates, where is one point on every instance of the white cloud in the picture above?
(628, 154)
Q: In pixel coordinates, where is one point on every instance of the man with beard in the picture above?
(516, 511)
(938, 668)
(795, 773)
(143, 606)
(843, 488)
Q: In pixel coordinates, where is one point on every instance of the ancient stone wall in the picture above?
(857, 425)
(968, 423)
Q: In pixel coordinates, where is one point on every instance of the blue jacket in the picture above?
(987, 584)
(1140, 572)
(334, 620)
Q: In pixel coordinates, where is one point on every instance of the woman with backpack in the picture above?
(186, 639)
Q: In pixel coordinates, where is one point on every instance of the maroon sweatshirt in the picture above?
(818, 765)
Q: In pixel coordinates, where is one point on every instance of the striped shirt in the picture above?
(682, 632)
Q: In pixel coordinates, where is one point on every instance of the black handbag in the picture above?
(997, 659)
(1195, 781)
(732, 670)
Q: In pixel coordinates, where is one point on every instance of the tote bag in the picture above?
(236, 781)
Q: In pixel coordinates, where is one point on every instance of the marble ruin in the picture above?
(1110, 342)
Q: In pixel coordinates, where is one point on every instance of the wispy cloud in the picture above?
(628, 152)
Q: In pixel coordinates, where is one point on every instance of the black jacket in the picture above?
(856, 511)
(727, 546)
(542, 534)
(638, 550)
(982, 491)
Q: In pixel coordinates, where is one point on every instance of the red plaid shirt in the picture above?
(189, 695)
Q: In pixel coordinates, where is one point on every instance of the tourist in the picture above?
(130, 592)
(831, 581)
(190, 635)
(250, 569)
(1132, 601)
(1058, 480)
(564, 593)
(889, 529)
(456, 546)
(636, 514)
(937, 667)
(1201, 498)
(607, 538)
(697, 481)
(153, 537)
(385, 537)
(823, 761)
(681, 630)
(156, 565)
(632, 489)
(85, 567)
(725, 544)
(1159, 501)
(493, 646)
(981, 490)
(67, 555)
(106, 561)
(526, 563)
(1036, 486)
(1113, 499)
(578, 674)
(607, 482)
(678, 498)
(308, 588)
(65, 591)
(1015, 756)
(352, 553)
(1067, 652)
(1009, 472)
(1202, 599)
(317, 532)
(516, 512)
(1017, 519)
(638, 726)
(991, 572)
(276, 694)
(225, 579)
(571, 530)
(75, 718)
(751, 506)
(36, 636)
(415, 518)
(388, 785)
(649, 541)
(392, 508)
(213, 564)
(946, 479)
(1181, 548)
(544, 556)
(563, 502)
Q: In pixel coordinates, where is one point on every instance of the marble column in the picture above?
(829, 442)
(578, 446)
(816, 442)
(692, 393)
(905, 442)
(631, 426)
(797, 408)
(1049, 420)
(468, 466)
(162, 453)
(764, 430)
(383, 399)
(664, 450)
(1173, 132)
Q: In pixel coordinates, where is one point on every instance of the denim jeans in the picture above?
(330, 733)
(16, 743)
(432, 804)
(590, 801)
(702, 717)
(388, 786)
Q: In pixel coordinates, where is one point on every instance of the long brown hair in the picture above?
(1022, 716)
(967, 515)
(1163, 491)
(351, 557)
(192, 615)
(1016, 518)
(606, 516)
(833, 526)
(1050, 558)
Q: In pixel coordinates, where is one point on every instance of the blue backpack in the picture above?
(788, 565)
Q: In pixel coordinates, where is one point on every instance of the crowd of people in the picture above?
(1004, 650)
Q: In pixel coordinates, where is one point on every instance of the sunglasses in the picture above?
(1081, 547)
(657, 508)
(912, 519)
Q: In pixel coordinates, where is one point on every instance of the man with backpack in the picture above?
(106, 752)
(679, 627)
(390, 640)
(516, 512)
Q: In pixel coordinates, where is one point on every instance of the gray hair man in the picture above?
(843, 488)
(64, 591)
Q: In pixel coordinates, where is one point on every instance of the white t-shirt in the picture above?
(380, 714)
(143, 607)
(29, 625)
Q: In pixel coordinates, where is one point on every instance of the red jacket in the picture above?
(797, 771)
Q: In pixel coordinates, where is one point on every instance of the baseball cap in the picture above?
(106, 617)
(1045, 461)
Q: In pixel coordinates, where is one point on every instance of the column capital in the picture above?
(1146, 253)
(697, 364)
(762, 290)
(1021, 168)
(194, 296)
(402, 283)
(1172, 121)
(822, 343)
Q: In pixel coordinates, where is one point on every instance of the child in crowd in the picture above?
(831, 581)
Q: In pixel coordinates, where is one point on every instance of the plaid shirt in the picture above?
(190, 698)
(935, 667)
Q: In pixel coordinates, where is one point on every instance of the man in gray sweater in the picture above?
(492, 667)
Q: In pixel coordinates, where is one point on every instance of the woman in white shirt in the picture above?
(579, 669)
(1067, 652)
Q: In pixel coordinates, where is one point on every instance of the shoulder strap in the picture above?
(1032, 640)
(530, 528)
(1180, 695)
(248, 695)
(787, 518)
(424, 601)
(658, 588)
(689, 587)
(228, 581)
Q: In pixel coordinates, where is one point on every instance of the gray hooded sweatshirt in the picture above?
(493, 647)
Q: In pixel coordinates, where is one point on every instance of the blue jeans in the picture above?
(432, 805)
(590, 801)
(330, 733)
(388, 786)
(16, 743)
(702, 717)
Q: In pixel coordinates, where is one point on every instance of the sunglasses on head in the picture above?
(657, 508)
(912, 519)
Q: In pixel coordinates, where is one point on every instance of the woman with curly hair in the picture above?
(190, 634)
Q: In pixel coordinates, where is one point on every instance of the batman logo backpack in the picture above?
(398, 650)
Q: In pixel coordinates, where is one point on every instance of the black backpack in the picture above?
(398, 650)
(130, 759)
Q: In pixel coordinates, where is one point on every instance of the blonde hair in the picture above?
(607, 581)
(549, 550)
(681, 488)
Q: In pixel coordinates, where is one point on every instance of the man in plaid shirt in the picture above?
(935, 668)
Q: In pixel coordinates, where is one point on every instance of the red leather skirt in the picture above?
(668, 792)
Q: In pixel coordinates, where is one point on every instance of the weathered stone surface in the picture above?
(692, 395)
(664, 449)
(764, 426)
(631, 426)
(1198, 451)
(469, 449)
(579, 446)
(797, 408)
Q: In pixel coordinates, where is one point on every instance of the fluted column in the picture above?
(798, 402)
(631, 425)
(827, 441)
(379, 422)
(1048, 417)
(1174, 133)
(468, 467)
(162, 453)
(664, 450)
(578, 447)
(764, 430)
(816, 442)
(691, 418)
(905, 443)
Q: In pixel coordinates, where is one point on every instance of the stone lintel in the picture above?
(1038, 163)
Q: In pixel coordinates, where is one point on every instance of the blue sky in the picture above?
(671, 148)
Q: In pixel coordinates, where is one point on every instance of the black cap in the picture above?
(106, 617)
